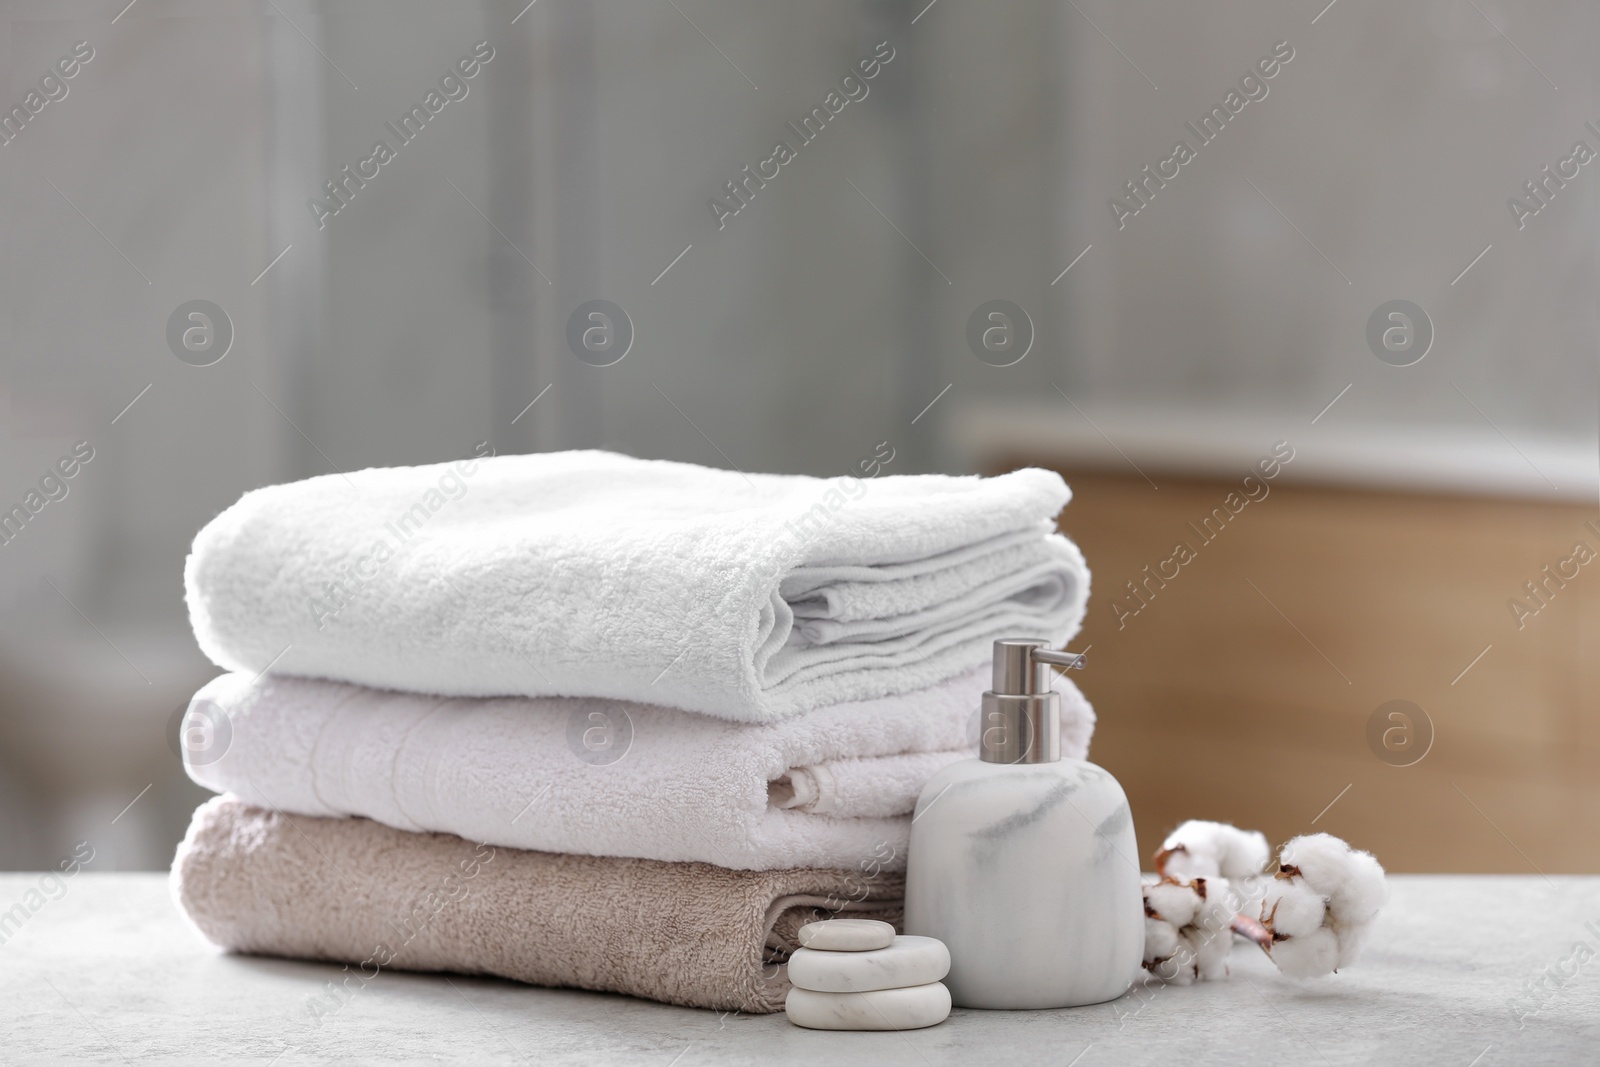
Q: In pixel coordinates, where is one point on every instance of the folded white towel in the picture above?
(594, 574)
(832, 788)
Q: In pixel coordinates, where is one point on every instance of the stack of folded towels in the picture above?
(585, 720)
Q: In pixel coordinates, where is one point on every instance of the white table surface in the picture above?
(110, 973)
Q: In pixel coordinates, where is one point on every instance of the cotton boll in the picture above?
(1180, 969)
(1218, 906)
(1308, 956)
(1202, 849)
(1160, 939)
(1292, 909)
(1354, 911)
(1236, 897)
(1351, 941)
(1187, 935)
(1216, 920)
(1364, 894)
(1321, 859)
(1211, 948)
(1314, 914)
(1247, 853)
(1166, 955)
(1319, 872)
(1176, 902)
(1193, 850)
(1174, 969)
(1211, 930)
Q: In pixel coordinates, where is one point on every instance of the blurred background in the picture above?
(1340, 646)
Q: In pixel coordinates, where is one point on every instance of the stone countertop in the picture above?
(111, 973)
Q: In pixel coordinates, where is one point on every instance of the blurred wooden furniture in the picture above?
(1243, 688)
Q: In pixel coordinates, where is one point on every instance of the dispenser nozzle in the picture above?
(1022, 712)
(1072, 661)
(1019, 665)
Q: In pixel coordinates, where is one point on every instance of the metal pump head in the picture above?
(1022, 713)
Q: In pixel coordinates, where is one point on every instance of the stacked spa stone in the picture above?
(856, 974)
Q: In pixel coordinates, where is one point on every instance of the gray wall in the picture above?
(822, 319)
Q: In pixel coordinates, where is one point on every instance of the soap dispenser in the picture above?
(1023, 863)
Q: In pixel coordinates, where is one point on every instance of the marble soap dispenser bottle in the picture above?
(1023, 863)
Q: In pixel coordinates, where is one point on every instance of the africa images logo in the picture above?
(852, 87)
(1252, 87)
(452, 86)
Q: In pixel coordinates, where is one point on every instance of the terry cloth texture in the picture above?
(831, 788)
(355, 892)
(749, 597)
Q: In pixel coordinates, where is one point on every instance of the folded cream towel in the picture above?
(748, 597)
(832, 788)
(352, 891)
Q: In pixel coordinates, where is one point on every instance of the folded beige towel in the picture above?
(358, 892)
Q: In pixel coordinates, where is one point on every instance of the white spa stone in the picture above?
(907, 1008)
(847, 935)
(908, 961)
